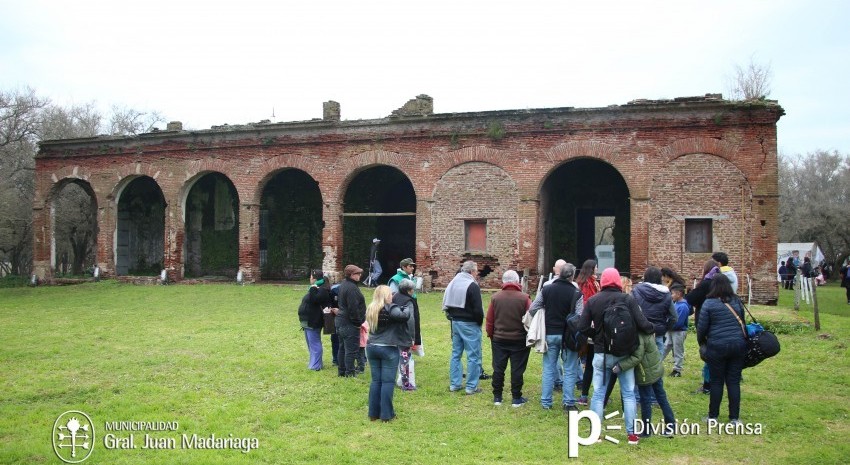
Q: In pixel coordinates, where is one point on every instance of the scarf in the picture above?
(455, 295)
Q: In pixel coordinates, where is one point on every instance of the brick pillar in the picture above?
(42, 241)
(765, 232)
(423, 235)
(639, 259)
(332, 240)
(527, 233)
(249, 241)
(173, 241)
(105, 253)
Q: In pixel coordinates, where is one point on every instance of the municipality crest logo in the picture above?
(73, 436)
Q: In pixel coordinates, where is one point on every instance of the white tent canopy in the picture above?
(804, 249)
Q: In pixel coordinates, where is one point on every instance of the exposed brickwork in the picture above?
(686, 158)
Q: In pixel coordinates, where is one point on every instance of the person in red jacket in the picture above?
(508, 336)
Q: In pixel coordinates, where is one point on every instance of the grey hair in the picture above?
(468, 266)
(568, 272)
(510, 276)
(405, 286)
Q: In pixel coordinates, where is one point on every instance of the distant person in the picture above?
(406, 297)
(791, 265)
(845, 280)
(783, 273)
(463, 307)
(508, 337)
(387, 332)
(589, 286)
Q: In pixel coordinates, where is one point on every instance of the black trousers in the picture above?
(725, 364)
(517, 353)
(349, 349)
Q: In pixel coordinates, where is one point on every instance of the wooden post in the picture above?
(797, 283)
(815, 303)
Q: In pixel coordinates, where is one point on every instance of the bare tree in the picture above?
(815, 202)
(750, 82)
(127, 121)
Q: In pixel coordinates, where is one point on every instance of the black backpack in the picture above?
(573, 339)
(619, 331)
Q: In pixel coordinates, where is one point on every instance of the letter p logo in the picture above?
(573, 434)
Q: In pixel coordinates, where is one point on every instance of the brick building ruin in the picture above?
(665, 182)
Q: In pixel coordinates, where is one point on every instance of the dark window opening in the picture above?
(698, 235)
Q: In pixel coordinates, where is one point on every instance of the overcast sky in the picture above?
(213, 62)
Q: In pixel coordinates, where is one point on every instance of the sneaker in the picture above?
(675, 374)
(518, 402)
(570, 408)
(633, 439)
(497, 400)
(474, 391)
(454, 389)
(582, 400)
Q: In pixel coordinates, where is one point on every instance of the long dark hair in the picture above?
(586, 271)
(721, 288)
(669, 273)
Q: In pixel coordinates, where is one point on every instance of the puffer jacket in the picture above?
(646, 361)
(718, 327)
(656, 302)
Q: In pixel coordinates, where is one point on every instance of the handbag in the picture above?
(761, 345)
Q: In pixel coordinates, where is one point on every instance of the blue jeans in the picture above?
(656, 389)
(627, 389)
(383, 362)
(466, 336)
(551, 362)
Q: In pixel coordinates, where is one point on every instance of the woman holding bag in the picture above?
(387, 332)
(721, 328)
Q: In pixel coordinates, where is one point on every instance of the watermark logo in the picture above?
(575, 440)
(73, 436)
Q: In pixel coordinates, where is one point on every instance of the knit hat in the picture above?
(351, 270)
(611, 277)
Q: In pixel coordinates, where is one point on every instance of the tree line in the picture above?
(27, 118)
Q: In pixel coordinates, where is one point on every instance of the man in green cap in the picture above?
(405, 271)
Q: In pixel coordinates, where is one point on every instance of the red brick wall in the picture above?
(698, 157)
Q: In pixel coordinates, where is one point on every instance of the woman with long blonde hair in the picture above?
(387, 332)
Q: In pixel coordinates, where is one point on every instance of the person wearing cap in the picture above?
(351, 315)
(405, 271)
(406, 375)
(590, 324)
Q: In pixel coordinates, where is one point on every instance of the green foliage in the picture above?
(219, 251)
(496, 131)
(13, 281)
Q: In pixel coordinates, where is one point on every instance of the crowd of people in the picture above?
(591, 330)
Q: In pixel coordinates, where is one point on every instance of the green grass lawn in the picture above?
(225, 359)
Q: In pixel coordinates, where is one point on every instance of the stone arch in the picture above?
(478, 153)
(274, 166)
(73, 223)
(379, 201)
(700, 188)
(355, 165)
(716, 147)
(475, 198)
(139, 235)
(597, 150)
(584, 203)
(210, 211)
(290, 224)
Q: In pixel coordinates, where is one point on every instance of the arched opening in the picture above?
(212, 228)
(140, 232)
(584, 205)
(290, 226)
(74, 211)
(380, 203)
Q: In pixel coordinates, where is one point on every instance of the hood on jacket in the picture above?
(652, 293)
(611, 278)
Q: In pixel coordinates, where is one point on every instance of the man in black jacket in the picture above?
(656, 302)
(352, 314)
(560, 299)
